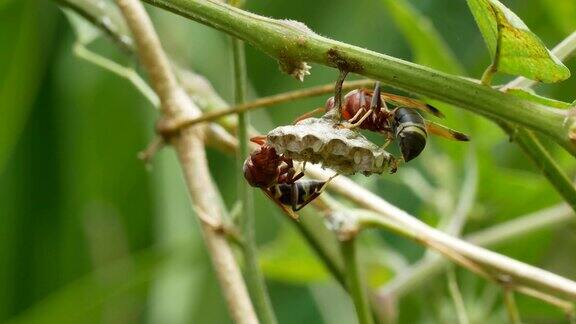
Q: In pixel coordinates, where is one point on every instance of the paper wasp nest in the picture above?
(317, 140)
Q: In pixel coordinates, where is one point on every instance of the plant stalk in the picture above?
(511, 307)
(254, 277)
(353, 281)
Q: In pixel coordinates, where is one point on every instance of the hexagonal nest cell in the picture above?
(322, 140)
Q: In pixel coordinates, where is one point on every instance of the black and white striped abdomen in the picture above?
(410, 131)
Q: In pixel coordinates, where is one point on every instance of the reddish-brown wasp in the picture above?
(276, 176)
(367, 109)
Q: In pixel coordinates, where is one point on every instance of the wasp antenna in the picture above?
(260, 139)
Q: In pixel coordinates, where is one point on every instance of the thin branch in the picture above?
(272, 100)
(292, 43)
(254, 277)
(522, 226)
(457, 297)
(512, 230)
(354, 281)
(566, 306)
(511, 307)
(190, 148)
(369, 219)
(127, 73)
(410, 226)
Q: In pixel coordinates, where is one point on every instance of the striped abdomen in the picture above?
(410, 131)
(299, 194)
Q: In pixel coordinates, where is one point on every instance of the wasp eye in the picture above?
(412, 142)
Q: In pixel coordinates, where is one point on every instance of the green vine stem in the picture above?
(354, 282)
(254, 278)
(293, 44)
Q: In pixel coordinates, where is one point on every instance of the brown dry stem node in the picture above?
(320, 140)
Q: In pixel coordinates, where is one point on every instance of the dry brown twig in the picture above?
(189, 146)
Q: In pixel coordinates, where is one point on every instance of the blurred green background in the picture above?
(89, 235)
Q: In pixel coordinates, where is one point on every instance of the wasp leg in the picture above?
(389, 138)
(386, 143)
(375, 104)
(358, 123)
(288, 174)
(395, 164)
(358, 113)
(290, 171)
(362, 106)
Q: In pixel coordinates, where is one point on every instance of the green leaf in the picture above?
(22, 66)
(532, 96)
(289, 259)
(513, 47)
(426, 43)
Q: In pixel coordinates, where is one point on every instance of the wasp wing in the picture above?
(443, 131)
(402, 101)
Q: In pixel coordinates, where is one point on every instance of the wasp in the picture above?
(276, 176)
(368, 109)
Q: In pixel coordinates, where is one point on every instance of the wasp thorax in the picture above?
(321, 140)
